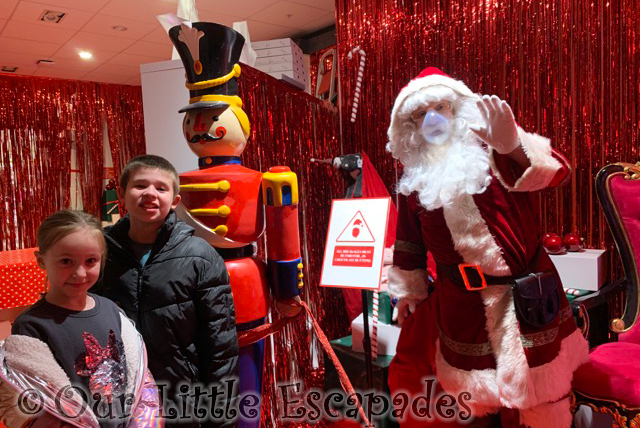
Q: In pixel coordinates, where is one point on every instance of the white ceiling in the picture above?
(117, 55)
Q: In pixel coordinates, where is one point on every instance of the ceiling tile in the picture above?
(133, 60)
(328, 5)
(135, 81)
(141, 10)
(24, 70)
(73, 64)
(86, 5)
(30, 12)
(217, 17)
(96, 76)
(288, 14)
(8, 44)
(242, 9)
(141, 47)
(7, 7)
(261, 31)
(158, 35)
(90, 41)
(43, 33)
(69, 51)
(324, 22)
(103, 24)
(60, 73)
(119, 69)
(2, 22)
(19, 59)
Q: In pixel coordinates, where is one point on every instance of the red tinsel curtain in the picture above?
(39, 120)
(87, 113)
(288, 127)
(569, 69)
(35, 164)
(125, 122)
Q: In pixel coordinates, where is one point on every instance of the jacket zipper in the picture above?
(139, 290)
(194, 376)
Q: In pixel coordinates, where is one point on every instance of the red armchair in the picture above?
(610, 381)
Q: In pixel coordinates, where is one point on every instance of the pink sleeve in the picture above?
(147, 413)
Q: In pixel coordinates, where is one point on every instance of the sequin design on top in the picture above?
(105, 367)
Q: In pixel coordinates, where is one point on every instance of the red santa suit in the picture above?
(478, 343)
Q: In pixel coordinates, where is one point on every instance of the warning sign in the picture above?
(356, 231)
(353, 256)
(355, 240)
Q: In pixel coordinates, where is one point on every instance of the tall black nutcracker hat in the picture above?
(210, 53)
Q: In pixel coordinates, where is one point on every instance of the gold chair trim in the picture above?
(630, 172)
(610, 407)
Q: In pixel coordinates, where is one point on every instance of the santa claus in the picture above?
(465, 196)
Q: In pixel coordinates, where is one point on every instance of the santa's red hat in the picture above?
(430, 76)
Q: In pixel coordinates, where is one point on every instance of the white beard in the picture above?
(441, 174)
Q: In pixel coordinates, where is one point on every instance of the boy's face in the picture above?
(149, 195)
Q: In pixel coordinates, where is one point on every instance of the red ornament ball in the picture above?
(572, 242)
(548, 235)
(553, 244)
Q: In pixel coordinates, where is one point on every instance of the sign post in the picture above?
(353, 254)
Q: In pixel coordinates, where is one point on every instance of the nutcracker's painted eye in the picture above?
(188, 121)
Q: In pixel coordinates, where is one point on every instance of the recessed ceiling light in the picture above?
(119, 28)
(9, 68)
(85, 55)
(52, 16)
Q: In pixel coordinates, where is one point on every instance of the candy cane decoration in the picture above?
(374, 333)
(356, 95)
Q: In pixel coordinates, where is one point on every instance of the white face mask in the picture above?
(436, 128)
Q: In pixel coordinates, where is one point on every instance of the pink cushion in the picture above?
(626, 195)
(613, 372)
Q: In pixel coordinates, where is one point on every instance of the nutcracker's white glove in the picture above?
(404, 308)
(500, 130)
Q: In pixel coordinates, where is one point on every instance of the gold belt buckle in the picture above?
(465, 278)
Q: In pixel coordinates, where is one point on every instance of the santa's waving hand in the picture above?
(500, 130)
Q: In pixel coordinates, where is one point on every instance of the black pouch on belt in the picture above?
(536, 298)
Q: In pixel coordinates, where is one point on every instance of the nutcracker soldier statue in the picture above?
(228, 203)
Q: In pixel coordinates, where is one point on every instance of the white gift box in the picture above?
(279, 59)
(270, 68)
(292, 49)
(388, 335)
(583, 270)
(298, 77)
(274, 43)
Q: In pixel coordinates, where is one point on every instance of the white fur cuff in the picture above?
(543, 165)
(405, 284)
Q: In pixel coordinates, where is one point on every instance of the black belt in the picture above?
(474, 279)
(235, 253)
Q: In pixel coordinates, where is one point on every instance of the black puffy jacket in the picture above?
(180, 301)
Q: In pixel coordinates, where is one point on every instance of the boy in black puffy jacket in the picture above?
(175, 287)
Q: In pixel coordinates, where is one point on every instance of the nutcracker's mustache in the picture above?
(220, 133)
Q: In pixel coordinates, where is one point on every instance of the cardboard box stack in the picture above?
(282, 59)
